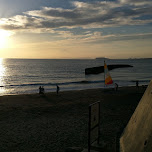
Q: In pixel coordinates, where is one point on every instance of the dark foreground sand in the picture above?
(51, 123)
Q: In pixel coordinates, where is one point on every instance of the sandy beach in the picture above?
(51, 123)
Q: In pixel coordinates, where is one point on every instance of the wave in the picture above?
(50, 84)
(70, 83)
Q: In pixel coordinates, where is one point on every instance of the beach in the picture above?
(50, 122)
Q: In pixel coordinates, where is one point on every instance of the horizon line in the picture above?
(98, 58)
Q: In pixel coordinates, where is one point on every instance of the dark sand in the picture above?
(51, 123)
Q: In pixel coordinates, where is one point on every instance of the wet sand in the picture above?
(33, 122)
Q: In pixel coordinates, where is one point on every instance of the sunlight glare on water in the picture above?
(2, 74)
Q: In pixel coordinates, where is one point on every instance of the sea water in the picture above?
(24, 76)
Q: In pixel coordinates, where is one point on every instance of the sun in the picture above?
(4, 35)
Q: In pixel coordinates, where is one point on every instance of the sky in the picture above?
(55, 29)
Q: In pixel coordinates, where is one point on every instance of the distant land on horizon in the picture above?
(140, 58)
(99, 58)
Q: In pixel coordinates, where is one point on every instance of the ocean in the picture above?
(24, 76)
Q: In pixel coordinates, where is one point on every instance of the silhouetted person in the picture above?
(137, 84)
(57, 89)
(40, 90)
(116, 86)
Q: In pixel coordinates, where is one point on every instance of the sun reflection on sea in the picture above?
(2, 74)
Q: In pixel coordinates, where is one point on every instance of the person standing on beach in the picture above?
(137, 84)
(116, 86)
(57, 89)
(40, 90)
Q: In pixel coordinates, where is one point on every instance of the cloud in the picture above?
(53, 13)
(98, 37)
(137, 2)
(85, 15)
(118, 37)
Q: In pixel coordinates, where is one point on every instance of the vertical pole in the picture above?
(98, 124)
(89, 128)
(104, 73)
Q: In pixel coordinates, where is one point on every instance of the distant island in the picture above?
(101, 58)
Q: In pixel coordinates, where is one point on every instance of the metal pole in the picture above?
(104, 73)
(99, 125)
(89, 128)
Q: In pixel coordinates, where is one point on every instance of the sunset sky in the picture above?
(75, 29)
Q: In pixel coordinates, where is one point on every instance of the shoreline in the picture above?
(33, 122)
(85, 89)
